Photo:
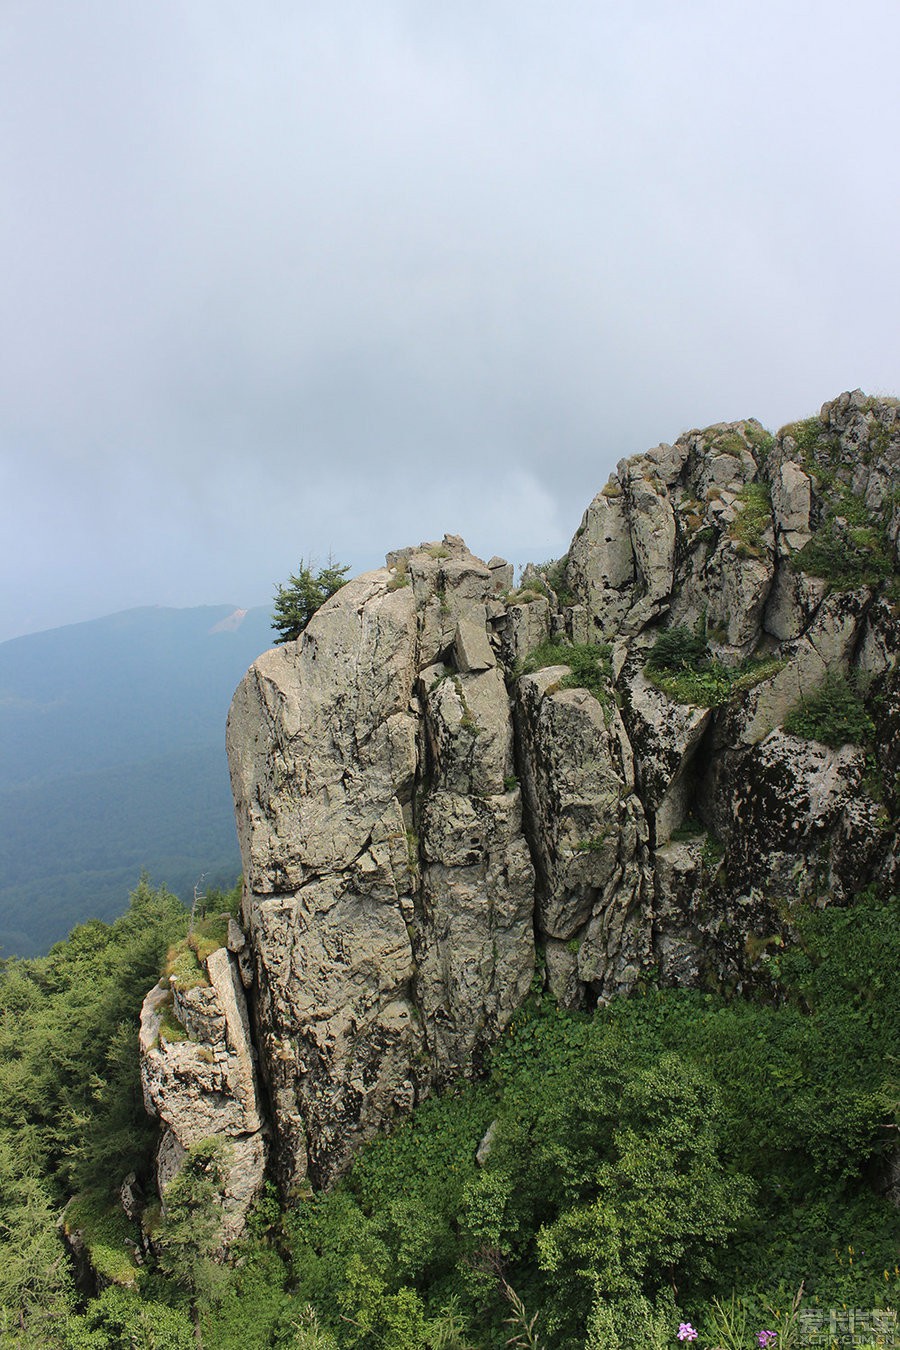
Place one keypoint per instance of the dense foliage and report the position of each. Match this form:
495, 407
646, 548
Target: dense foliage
672, 1148
850, 546
71, 1109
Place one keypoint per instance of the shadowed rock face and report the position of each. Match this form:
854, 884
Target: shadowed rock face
415, 813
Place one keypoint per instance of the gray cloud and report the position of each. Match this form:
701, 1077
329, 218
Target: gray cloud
343, 277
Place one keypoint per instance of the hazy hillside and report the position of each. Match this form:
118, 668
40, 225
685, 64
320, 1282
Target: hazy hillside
112, 760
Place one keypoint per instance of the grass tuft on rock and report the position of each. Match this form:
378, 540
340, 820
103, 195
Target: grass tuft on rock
749, 527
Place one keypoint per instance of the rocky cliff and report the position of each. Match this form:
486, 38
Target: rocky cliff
634, 766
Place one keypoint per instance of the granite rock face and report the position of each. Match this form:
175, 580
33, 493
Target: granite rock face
389, 887
447, 791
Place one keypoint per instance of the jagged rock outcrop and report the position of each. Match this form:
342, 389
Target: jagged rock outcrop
389, 885
436, 804
205, 1086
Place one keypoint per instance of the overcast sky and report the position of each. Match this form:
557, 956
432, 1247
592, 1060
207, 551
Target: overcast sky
288, 278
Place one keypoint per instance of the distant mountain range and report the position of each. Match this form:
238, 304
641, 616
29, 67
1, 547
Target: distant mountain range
112, 760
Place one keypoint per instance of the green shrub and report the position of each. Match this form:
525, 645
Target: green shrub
690, 828
759, 438
706, 535
595, 843
554, 572
678, 649
834, 714
805, 434
847, 558
526, 595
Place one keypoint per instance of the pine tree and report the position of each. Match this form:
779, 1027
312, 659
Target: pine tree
297, 602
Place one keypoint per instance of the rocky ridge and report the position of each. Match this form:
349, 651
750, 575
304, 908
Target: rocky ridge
447, 788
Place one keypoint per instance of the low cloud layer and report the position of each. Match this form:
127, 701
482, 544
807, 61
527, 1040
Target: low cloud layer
300, 279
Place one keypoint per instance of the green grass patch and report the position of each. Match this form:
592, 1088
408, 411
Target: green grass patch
847, 558
525, 595
170, 1029
208, 934
729, 443
754, 518
401, 576
761, 440
805, 434
595, 844
108, 1236
184, 960
682, 666
589, 666
183, 967
690, 828
833, 714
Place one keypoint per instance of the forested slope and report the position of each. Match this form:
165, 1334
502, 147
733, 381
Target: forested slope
677, 1147
112, 760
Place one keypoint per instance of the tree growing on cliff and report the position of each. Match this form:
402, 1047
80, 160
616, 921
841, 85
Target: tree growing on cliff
297, 601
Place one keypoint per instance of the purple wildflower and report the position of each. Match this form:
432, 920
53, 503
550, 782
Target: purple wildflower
766, 1338
686, 1332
